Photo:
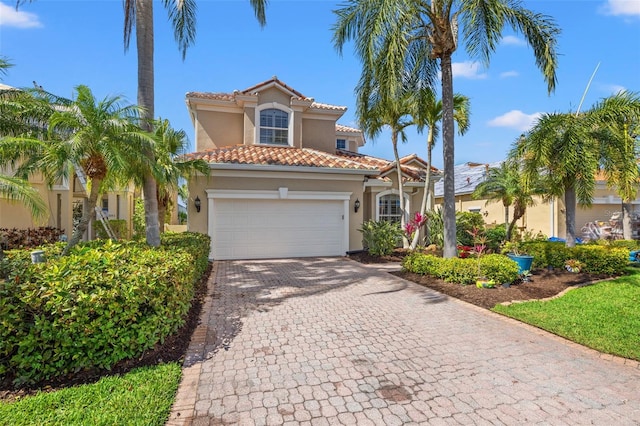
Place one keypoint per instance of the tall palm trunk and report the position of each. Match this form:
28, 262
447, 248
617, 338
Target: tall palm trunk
627, 232
449, 205
144, 40
403, 222
570, 211
89, 214
518, 212
426, 195
163, 205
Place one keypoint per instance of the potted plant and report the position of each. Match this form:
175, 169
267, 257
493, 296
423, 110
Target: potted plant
513, 250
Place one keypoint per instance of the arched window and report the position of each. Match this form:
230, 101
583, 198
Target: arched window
274, 127
388, 203
389, 208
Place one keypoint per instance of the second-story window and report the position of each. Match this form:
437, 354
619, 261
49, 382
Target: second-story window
274, 127
341, 144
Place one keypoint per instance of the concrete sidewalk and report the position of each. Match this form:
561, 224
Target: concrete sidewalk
325, 341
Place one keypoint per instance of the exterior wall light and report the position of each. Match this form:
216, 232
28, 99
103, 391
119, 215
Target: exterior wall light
356, 205
197, 203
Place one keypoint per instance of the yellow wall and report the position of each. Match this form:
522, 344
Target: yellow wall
319, 134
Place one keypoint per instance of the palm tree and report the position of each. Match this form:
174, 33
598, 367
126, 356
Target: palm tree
506, 184
12, 108
562, 149
377, 110
183, 19
139, 13
169, 168
428, 113
569, 149
392, 29
618, 123
101, 137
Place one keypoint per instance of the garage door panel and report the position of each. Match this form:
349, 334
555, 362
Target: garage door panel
250, 229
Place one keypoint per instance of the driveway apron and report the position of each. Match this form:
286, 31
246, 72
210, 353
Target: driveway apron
323, 341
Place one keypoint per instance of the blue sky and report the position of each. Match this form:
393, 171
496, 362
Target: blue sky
61, 44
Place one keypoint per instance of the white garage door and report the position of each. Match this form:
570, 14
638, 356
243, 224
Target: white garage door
259, 229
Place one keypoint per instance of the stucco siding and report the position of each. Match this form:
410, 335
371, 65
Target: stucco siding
319, 134
218, 129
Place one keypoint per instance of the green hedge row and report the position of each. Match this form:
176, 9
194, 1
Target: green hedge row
609, 259
494, 267
105, 302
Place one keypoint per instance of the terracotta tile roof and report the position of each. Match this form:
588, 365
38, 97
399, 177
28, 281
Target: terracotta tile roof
278, 156
248, 91
347, 129
276, 80
412, 173
215, 96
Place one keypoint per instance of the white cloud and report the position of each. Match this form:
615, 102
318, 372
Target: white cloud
622, 7
612, 89
508, 74
10, 17
513, 41
515, 119
467, 69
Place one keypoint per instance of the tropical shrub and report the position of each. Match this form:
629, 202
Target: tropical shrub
105, 302
499, 268
466, 222
381, 237
601, 260
496, 236
494, 267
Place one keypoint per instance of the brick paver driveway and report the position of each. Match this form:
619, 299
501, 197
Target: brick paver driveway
330, 341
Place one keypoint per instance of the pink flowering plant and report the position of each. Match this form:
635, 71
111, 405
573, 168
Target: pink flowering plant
414, 225
479, 248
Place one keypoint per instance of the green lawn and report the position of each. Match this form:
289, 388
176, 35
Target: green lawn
603, 316
140, 397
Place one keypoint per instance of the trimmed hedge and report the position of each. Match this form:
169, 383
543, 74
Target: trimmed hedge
495, 267
609, 259
105, 302
28, 238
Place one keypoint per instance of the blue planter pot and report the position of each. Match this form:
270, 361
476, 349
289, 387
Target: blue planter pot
524, 261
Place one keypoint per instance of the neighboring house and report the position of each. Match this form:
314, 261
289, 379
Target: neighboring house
286, 179
545, 217
65, 205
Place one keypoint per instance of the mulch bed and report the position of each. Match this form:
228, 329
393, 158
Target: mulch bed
173, 349
542, 284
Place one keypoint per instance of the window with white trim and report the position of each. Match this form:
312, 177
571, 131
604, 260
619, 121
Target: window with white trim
389, 208
274, 127
341, 144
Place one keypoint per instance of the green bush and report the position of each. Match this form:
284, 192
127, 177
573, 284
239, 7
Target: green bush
607, 259
423, 264
466, 222
119, 227
435, 223
495, 267
105, 302
381, 237
601, 260
495, 237
499, 268
139, 227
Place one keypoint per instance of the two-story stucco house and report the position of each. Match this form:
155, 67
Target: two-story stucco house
286, 178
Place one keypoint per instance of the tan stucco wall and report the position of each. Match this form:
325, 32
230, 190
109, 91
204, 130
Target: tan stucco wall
319, 134
198, 187
537, 218
217, 129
